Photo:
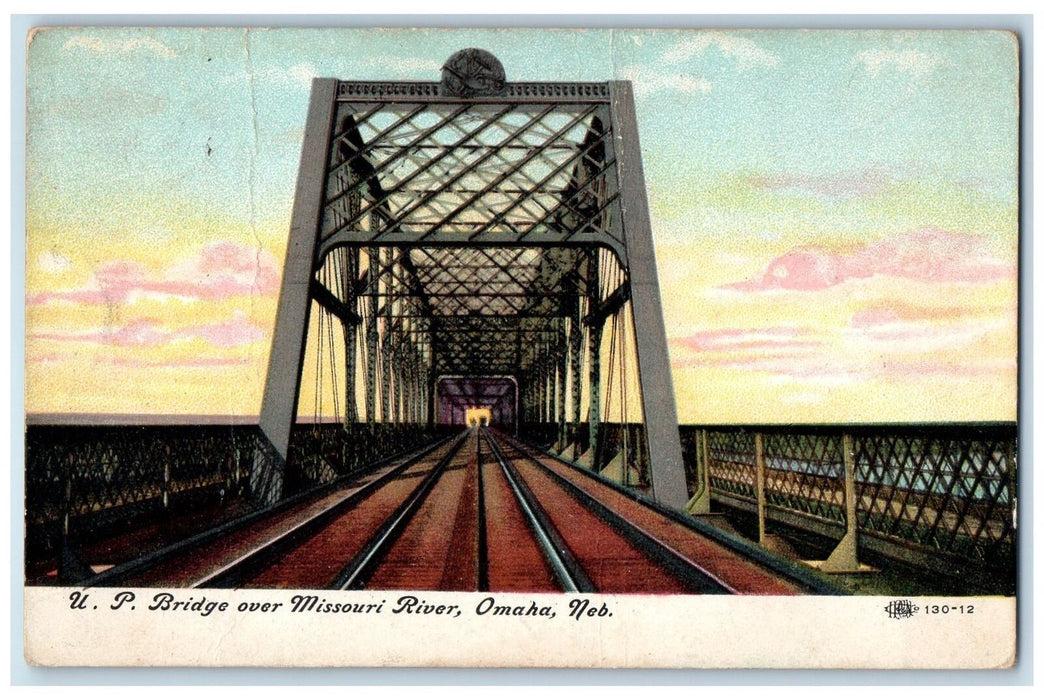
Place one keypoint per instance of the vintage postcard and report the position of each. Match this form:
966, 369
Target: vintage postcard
521, 348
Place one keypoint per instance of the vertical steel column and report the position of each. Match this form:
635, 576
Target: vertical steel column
429, 377
527, 396
430, 396
563, 362
533, 392
415, 387
409, 394
415, 390
373, 284
386, 336
538, 389
576, 339
544, 401
395, 345
422, 390
550, 368
401, 360
552, 387
699, 504
351, 404
283, 381
658, 407
395, 383
422, 398
594, 349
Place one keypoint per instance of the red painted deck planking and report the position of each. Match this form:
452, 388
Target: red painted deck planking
318, 560
515, 562
438, 548
186, 569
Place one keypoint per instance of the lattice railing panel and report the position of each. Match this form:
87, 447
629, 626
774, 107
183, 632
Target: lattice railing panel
805, 473
731, 459
947, 493
321, 453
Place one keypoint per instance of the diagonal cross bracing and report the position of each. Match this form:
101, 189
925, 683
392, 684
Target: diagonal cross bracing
492, 168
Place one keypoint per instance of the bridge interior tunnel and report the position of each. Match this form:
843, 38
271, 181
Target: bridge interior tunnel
541, 337
462, 400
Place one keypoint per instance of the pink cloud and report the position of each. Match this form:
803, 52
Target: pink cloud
775, 338
197, 362
806, 359
227, 269
968, 368
792, 351
118, 361
925, 337
927, 255
220, 270
145, 332
863, 183
226, 334
890, 312
886, 340
141, 332
47, 358
898, 328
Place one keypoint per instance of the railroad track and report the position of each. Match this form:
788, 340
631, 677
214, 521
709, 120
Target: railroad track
480, 512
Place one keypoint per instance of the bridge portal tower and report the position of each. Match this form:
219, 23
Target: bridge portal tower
477, 228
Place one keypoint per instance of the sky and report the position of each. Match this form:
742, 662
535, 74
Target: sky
835, 213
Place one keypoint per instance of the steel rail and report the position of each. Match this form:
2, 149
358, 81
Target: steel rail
483, 543
564, 565
677, 564
357, 571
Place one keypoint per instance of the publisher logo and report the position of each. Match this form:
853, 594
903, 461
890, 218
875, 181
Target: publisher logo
901, 609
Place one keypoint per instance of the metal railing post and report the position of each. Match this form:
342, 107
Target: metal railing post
759, 483
166, 479
66, 499
845, 557
699, 504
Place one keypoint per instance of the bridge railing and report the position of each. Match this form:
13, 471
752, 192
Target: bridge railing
940, 495
93, 480
614, 440
84, 483
322, 452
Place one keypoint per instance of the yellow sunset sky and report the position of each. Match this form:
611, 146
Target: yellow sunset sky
835, 213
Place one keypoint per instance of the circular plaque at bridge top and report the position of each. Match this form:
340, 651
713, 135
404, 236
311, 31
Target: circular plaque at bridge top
472, 73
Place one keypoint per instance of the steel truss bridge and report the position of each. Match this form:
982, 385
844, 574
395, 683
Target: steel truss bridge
480, 247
